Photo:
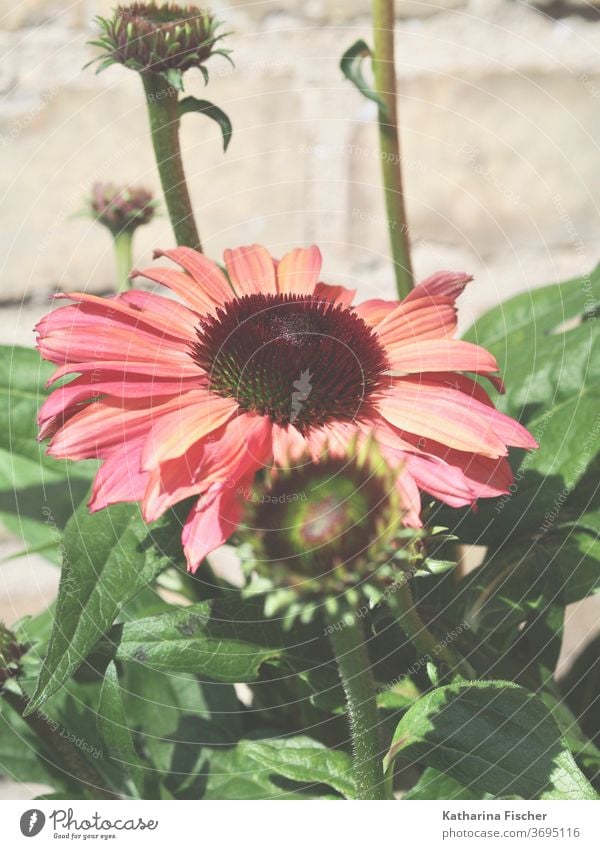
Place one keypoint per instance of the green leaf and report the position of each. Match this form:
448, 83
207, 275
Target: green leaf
550, 362
115, 732
351, 65
233, 774
304, 760
205, 107
491, 736
108, 558
223, 639
435, 785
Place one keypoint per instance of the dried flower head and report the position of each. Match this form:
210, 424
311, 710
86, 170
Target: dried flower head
167, 39
121, 208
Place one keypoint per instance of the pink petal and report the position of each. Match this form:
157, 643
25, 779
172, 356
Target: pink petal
444, 415
449, 284
184, 286
288, 445
375, 310
440, 355
213, 519
298, 271
251, 270
238, 448
177, 318
102, 426
419, 319
120, 477
335, 294
206, 273
66, 400
200, 413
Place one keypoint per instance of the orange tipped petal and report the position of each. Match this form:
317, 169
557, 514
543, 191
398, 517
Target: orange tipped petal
251, 270
417, 320
449, 284
298, 271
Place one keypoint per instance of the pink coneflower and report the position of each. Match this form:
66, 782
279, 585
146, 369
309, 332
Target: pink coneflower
265, 369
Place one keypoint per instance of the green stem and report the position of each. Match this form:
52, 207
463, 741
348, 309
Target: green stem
162, 100
123, 253
70, 760
385, 85
426, 644
354, 669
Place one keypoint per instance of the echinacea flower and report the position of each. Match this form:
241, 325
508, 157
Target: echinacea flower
121, 209
262, 367
160, 39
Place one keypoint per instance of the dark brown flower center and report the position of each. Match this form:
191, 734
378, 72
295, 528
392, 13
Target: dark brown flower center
296, 358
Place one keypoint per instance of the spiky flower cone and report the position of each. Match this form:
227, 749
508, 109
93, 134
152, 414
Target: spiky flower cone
165, 40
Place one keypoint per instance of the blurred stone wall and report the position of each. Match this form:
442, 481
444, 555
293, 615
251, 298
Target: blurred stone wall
500, 112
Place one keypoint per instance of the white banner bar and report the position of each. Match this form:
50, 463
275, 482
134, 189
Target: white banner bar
300, 825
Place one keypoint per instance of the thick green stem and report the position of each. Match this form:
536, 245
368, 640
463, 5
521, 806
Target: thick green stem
69, 759
163, 110
426, 644
123, 255
353, 665
385, 85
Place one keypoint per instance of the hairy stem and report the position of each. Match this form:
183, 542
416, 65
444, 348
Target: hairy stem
359, 687
162, 100
385, 85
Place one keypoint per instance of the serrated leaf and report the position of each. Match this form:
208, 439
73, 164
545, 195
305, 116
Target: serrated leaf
205, 107
491, 736
224, 639
115, 732
108, 558
304, 760
351, 64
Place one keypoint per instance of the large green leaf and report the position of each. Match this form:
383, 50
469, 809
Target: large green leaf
550, 361
108, 558
304, 760
37, 493
115, 732
223, 639
491, 736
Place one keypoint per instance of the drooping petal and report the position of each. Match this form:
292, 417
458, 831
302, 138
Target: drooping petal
67, 400
104, 425
120, 477
210, 523
200, 413
441, 414
239, 447
106, 331
176, 317
251, 270
298, 271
